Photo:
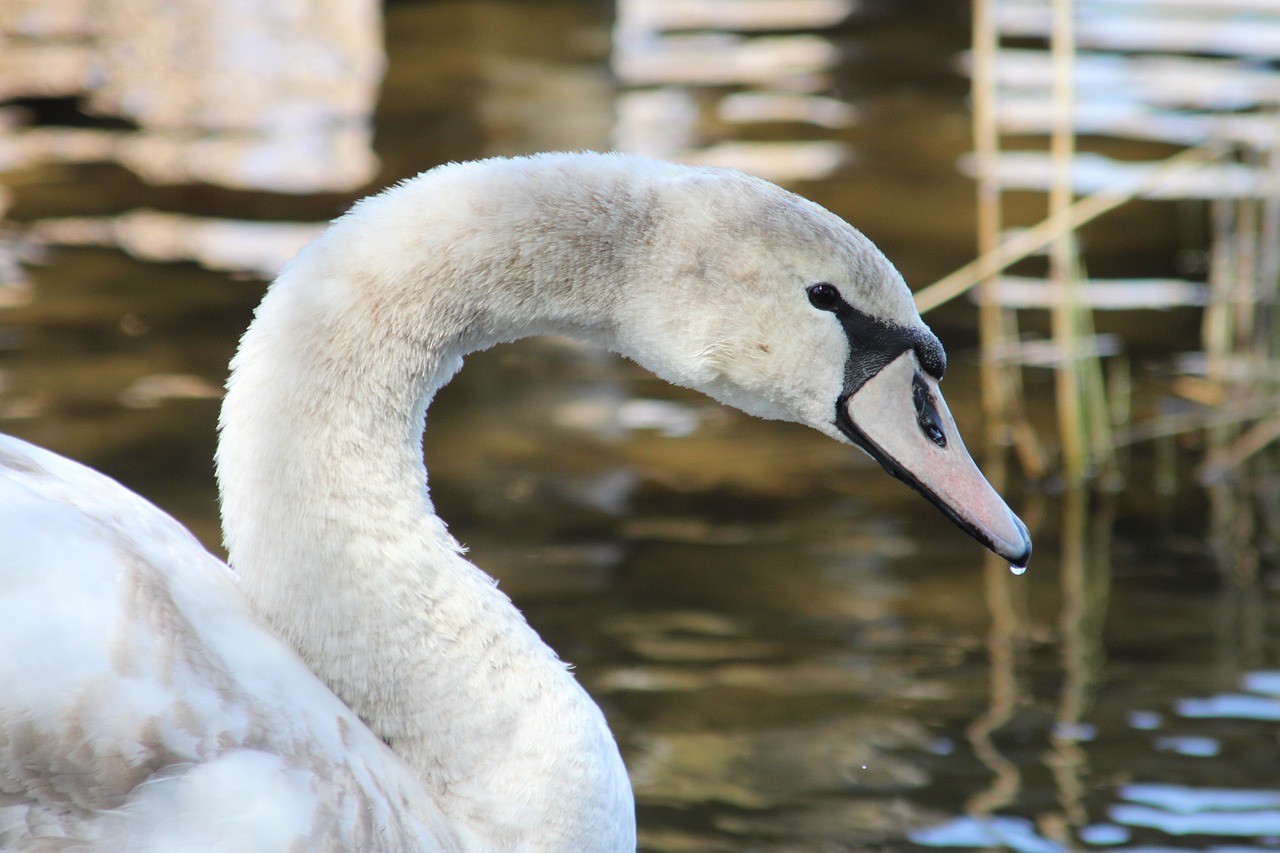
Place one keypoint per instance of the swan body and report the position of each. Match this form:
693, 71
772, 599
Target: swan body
144, 708
351, 681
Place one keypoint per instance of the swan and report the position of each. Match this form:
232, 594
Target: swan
350, 681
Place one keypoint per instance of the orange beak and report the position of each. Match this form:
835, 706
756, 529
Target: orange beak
898, 416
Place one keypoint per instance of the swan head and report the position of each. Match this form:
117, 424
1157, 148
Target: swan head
772, 304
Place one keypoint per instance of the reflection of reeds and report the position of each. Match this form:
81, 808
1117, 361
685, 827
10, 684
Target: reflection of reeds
1233, 165
1239, 328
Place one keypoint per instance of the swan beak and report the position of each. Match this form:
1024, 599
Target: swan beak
898, 416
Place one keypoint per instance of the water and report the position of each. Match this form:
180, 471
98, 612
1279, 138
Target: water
796, 652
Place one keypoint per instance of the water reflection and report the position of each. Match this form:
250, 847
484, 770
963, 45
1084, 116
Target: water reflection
698, 76
264, 97
1178, 810
260, 96
259, 248
1104, 776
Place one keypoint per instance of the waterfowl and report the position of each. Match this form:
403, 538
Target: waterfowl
350, 681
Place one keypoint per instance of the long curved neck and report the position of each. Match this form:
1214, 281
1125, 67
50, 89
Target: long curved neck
325, 506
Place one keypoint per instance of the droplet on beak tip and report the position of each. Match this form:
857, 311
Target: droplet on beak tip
1018, 570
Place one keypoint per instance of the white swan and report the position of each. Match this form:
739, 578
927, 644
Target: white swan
145, 704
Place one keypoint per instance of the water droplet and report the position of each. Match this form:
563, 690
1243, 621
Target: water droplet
1018, 570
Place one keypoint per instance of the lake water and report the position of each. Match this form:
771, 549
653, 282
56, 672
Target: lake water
795, 652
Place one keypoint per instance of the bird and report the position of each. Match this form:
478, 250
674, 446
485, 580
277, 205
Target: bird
348, 680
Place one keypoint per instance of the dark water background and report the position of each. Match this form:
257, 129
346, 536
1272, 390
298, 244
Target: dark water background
795, 652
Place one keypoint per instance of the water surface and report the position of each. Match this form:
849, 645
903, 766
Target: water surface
796, 653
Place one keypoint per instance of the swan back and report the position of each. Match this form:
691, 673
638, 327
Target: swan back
148, 710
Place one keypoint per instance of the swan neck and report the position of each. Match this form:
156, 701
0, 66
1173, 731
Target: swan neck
327, 516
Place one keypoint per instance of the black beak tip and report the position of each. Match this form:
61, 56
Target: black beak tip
1020, 560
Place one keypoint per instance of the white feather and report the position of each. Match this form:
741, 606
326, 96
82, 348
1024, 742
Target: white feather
143, 703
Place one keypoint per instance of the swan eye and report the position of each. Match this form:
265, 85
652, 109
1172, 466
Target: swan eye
824, 297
